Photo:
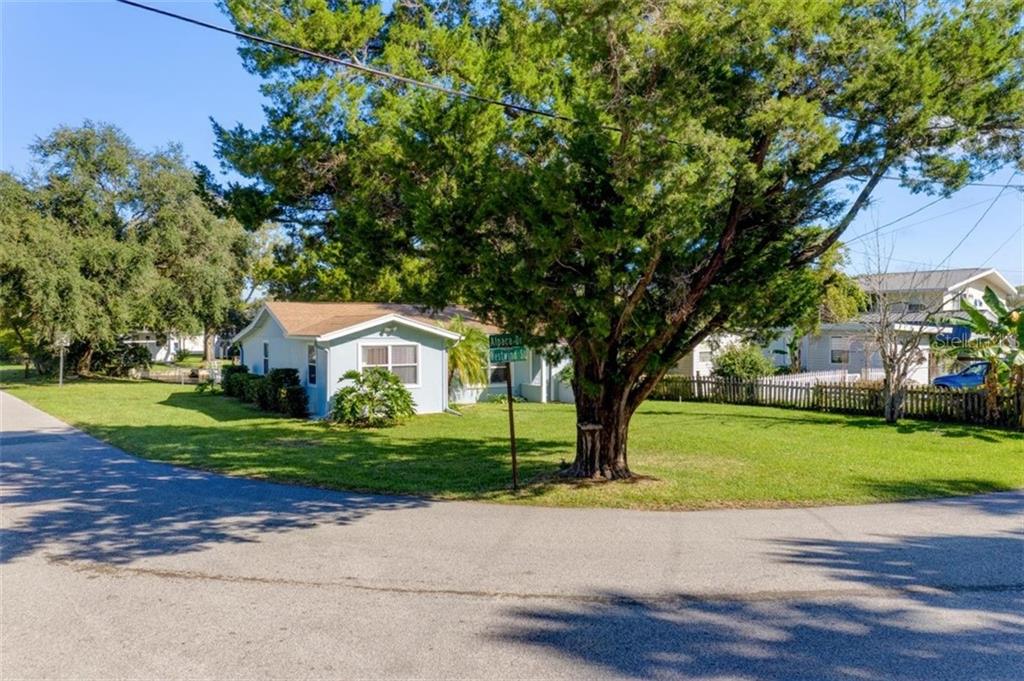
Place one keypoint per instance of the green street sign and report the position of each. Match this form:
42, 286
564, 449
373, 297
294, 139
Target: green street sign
502, 355
505, 340
506, 347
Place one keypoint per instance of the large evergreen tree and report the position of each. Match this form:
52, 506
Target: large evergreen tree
706, 155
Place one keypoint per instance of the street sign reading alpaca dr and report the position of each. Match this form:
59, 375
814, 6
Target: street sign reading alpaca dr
506, 347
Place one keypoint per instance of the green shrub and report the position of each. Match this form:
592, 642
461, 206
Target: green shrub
742, 363
232, 378
112, 359
376, 398
265, 394
277, 381
182, 355
252, 387
295, 402
502, 398
123, 358
208, 387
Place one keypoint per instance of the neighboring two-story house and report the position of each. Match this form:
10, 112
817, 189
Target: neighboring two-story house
916, 302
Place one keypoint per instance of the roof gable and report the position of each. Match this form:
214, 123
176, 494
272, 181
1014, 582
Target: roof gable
932, 280
330, 320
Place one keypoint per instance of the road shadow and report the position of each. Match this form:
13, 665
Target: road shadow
969, 493
67, 494
950, 610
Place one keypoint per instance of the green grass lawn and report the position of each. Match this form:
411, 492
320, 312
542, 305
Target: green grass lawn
691, 455
196, 362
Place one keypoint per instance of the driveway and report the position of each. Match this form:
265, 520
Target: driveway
114, 567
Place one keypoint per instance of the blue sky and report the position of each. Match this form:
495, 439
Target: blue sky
162, 81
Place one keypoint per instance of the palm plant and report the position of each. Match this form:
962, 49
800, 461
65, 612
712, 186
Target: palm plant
1000, 341
467, 357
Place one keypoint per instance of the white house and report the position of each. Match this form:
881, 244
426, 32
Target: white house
917, 300
166, 348
701, 360
326, 340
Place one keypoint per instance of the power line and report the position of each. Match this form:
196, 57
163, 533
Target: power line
914, 224
899, 219
1001, 246
355, 66
978, 222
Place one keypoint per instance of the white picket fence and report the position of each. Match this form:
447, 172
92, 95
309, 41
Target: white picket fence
809, 378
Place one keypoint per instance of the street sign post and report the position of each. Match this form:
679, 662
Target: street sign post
62, 340
508, 348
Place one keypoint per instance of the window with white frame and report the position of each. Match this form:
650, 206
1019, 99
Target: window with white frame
497, 374
840, 349
705, 356
311, 365
401, 360
266, 358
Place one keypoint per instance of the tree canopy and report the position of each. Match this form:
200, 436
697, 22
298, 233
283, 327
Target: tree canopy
103, 240
701, 158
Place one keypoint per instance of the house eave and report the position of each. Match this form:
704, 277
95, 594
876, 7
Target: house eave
348, 330
388, 319
1008, 288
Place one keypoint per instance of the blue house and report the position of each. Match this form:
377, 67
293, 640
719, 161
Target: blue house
326, 340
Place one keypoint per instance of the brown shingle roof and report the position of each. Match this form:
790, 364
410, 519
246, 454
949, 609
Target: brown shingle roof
317, 319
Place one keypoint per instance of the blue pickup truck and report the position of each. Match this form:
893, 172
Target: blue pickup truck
971, 376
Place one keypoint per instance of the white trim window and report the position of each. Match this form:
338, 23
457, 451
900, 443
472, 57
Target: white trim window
266, 358
311, 364
403, 360
497, 373
839, 350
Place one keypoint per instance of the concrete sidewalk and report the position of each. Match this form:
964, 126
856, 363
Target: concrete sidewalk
117, 567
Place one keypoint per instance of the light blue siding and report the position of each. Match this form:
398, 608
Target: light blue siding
337, 356
431, 391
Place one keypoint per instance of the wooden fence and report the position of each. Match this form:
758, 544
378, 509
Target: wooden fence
924, 402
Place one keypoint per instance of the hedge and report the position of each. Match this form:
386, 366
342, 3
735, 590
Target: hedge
295, 402
278, 391
232, 379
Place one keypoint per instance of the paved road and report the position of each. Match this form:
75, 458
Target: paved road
113, 567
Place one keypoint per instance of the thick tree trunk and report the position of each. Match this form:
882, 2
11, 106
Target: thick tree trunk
85, 360
893, 403
602, 428
208, 336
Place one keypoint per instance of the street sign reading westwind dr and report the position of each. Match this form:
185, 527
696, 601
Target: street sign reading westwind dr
506, 348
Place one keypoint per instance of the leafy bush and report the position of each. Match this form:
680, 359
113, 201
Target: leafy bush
265, 394
252, 387
208, 387
743, 363
232, 378
295, 402
567, 374
376, 398
181, 355
277, 381
502, 398
120, 359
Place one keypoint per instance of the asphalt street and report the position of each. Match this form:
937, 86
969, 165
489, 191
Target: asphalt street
112, 567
